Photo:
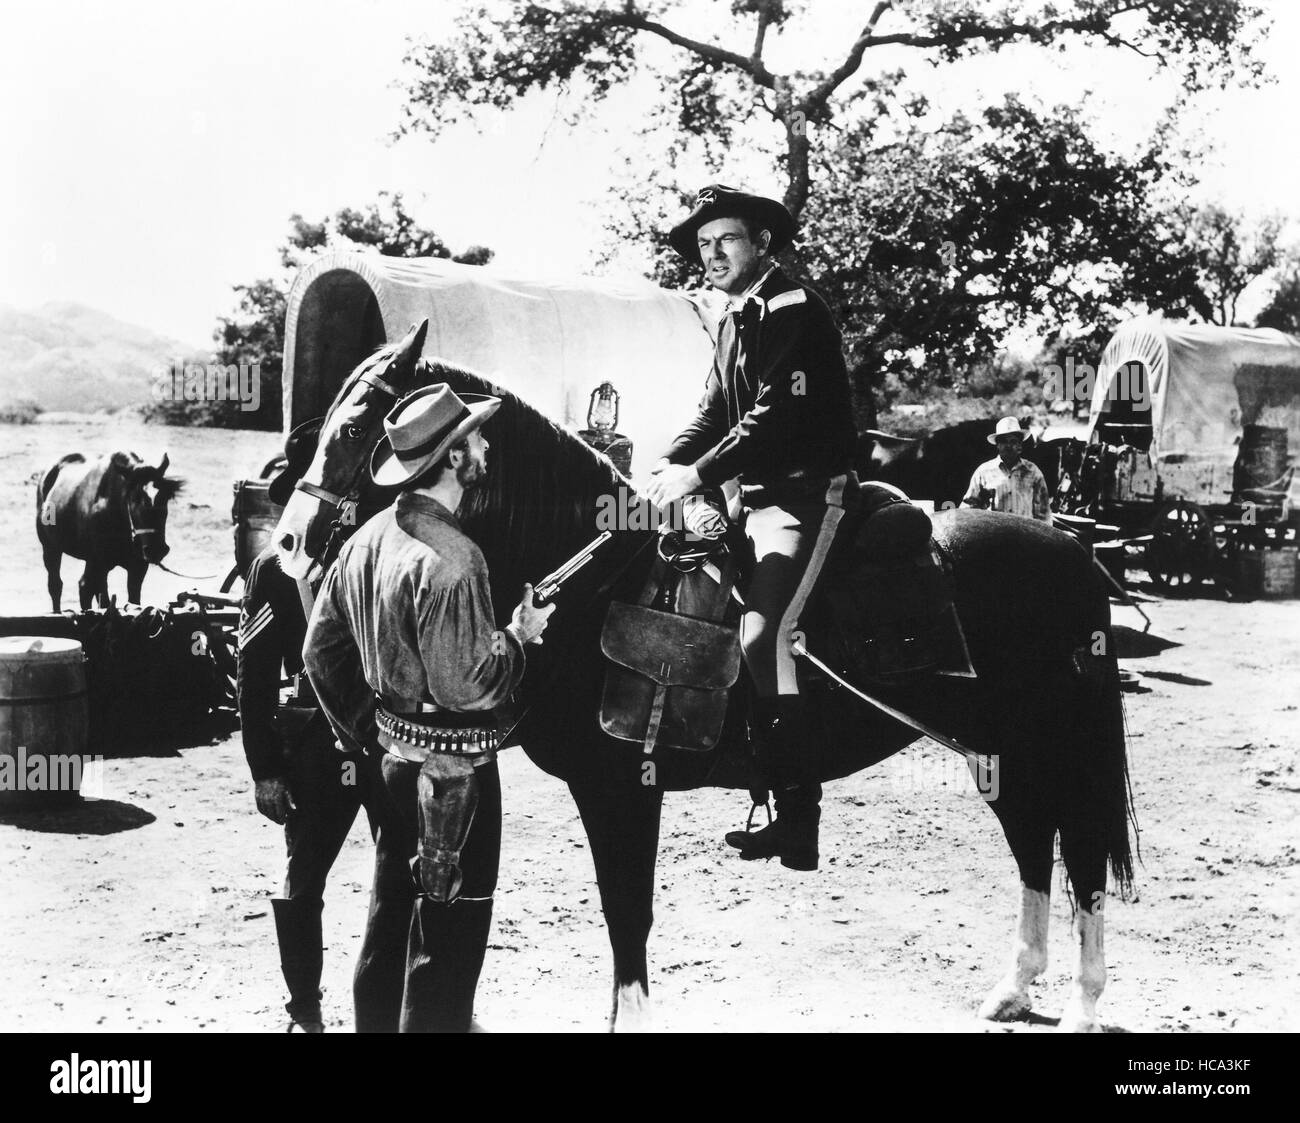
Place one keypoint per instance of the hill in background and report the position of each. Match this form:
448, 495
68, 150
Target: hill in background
65, 356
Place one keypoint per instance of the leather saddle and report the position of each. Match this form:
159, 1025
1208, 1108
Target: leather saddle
882, 612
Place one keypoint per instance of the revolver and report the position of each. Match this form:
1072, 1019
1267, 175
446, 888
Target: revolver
546, 589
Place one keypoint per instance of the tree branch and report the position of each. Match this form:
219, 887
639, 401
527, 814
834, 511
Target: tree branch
822, 92
1096, 24
636, 20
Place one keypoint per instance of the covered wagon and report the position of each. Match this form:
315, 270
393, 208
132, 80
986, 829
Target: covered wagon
1193, 431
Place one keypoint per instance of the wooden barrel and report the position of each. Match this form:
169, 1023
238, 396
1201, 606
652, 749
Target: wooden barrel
1261, 458
43, 719
255, 518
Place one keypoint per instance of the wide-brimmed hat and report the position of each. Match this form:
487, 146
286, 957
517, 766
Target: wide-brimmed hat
422, 427
299, 451
1007, 427
720, 201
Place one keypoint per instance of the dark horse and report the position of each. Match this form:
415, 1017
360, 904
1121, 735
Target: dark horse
109, 512
1046, 703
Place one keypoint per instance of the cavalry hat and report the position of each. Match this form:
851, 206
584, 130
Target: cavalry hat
1007, 427
422, 427
299, 451
720, 201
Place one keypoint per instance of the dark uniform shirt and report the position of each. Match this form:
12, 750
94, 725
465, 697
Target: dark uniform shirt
272, 625
406, 614
776, 405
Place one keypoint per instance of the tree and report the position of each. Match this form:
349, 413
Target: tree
1231, 254
930, 240
502, 53
932, 248
254, 334
1283, 309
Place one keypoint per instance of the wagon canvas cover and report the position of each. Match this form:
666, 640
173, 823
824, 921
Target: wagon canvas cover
1203, 385
550, 341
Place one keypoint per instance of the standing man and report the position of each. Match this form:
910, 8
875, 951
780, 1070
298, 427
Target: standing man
1008, 483
404, 655
776, 415
300, 779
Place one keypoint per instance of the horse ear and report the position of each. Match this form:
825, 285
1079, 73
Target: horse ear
421, 334
124, 462
162, 464
412, 344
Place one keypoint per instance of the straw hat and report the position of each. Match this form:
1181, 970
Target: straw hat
1007, 427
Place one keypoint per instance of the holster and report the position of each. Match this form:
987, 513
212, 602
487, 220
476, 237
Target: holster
447, 795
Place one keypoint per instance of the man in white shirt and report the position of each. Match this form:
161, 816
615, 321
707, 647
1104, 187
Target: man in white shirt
1008, 483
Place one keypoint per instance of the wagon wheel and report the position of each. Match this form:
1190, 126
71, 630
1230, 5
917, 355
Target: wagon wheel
1180, 554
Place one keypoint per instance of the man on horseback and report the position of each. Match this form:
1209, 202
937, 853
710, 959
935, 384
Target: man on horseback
776, 416
404, 655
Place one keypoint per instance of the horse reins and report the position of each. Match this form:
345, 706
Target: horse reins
137, 533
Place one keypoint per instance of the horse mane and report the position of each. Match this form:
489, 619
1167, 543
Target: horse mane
544, 487
128, 467
169, 487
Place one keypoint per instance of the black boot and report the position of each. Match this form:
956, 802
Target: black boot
792, 837
298, 930
448, 944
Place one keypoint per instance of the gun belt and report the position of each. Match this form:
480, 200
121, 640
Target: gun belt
426, 739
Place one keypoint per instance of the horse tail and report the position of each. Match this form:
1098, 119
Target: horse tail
1118, 819
1101, 822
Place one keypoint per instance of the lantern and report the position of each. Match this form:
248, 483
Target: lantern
602, 413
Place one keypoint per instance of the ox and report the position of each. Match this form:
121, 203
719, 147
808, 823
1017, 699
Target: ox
108, 512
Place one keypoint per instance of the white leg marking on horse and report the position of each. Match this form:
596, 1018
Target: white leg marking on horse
632, 1011
1080, 1014
1009, 1000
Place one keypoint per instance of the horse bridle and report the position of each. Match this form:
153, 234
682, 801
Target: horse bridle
339, 502
136, 532
333, 499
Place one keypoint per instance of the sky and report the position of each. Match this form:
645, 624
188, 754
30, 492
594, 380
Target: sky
153, 151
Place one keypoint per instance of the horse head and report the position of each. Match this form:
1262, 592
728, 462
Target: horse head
350, 431
541, 501
144, 493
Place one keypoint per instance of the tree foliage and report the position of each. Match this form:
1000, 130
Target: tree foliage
502, 52
1231, 253
1283, 309
931, 239
254, 334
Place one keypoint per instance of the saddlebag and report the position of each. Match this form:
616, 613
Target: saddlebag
668, 675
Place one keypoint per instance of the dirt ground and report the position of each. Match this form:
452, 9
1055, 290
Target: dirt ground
149, 910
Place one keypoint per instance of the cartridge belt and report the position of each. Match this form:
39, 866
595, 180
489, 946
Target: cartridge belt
415, 740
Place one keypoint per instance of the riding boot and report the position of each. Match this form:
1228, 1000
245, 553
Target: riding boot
792, 836
298, 930
445, 955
